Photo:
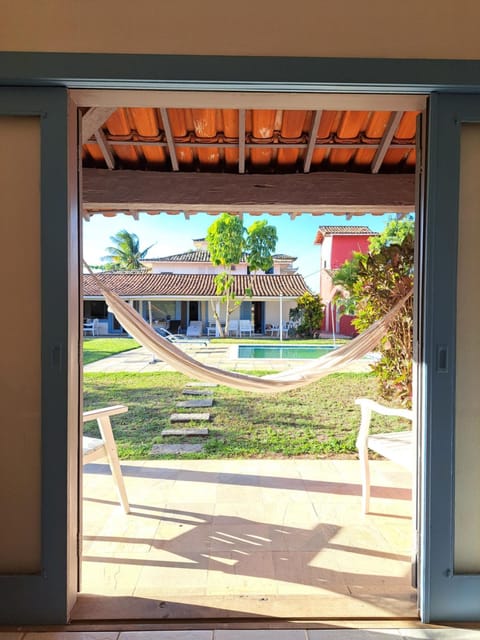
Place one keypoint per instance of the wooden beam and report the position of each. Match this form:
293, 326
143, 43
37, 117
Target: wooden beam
253, 145
105, 149
382, 149
93, 120
170, 139
156, 191
248, 100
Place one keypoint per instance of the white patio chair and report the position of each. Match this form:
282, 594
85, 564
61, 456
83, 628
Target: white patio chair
245, 328
272, 329
396, 446
233, 328
211, 329
105, 447
194, 329
90, 326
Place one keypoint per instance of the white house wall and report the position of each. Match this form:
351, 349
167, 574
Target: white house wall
192, 267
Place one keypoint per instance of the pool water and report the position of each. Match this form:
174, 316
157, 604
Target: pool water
291, 351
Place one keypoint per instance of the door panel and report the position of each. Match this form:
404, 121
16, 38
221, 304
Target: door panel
449, 342
39, 385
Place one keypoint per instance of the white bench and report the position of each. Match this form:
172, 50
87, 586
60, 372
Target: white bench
105, 447
396, 446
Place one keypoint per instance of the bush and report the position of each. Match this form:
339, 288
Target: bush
384, 278
309, 311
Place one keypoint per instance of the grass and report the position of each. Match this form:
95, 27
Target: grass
98, 348
319, 420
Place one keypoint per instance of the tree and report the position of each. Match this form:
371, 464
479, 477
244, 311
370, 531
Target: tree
228, 241
126, 254
309, 311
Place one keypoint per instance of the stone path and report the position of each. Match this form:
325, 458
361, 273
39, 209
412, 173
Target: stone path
197, 392
159, 449
194, 404
185, 432
192, 389
190, 417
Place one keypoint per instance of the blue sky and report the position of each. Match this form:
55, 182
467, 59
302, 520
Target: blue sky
173, 234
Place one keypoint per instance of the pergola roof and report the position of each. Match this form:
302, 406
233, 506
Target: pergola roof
166, 156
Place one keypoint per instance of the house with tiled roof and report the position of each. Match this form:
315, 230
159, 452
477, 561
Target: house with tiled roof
337, 244
180, 288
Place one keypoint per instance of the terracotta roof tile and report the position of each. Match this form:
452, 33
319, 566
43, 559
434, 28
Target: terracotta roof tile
139, 284
201, 255
187, 256
211, 139
342, 230
347, 230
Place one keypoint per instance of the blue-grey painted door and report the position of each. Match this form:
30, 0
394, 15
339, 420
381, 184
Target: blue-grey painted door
46, 593
447, 591
246, 310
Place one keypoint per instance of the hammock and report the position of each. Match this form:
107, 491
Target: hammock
295, 378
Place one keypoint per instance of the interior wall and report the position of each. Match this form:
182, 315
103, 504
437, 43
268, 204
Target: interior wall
346, 28
20, 327
467, 400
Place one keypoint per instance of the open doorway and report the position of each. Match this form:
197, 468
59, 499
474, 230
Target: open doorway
303, 543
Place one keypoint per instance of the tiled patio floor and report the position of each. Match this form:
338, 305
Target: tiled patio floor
246, 538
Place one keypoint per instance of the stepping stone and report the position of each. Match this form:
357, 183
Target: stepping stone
195, 404
176, 448
188, 417
202, 384
184, 432
197, 392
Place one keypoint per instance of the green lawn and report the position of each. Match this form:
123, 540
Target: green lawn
318, 420
99, 348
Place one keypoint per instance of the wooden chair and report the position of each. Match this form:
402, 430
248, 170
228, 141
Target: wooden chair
105, 447
397, 446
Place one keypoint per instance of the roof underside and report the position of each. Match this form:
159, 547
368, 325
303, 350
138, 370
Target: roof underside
168, 142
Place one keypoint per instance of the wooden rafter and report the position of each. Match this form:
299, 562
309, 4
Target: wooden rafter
93, 120
382, 149
311, 141
170, 139
105, 148
241, 141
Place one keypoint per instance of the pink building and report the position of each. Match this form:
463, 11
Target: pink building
337, 244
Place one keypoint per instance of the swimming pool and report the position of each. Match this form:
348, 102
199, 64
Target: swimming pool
290, 351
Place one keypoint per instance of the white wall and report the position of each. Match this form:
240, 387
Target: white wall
272, 310
191, 267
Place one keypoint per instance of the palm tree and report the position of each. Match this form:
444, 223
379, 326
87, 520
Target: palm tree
126, 253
